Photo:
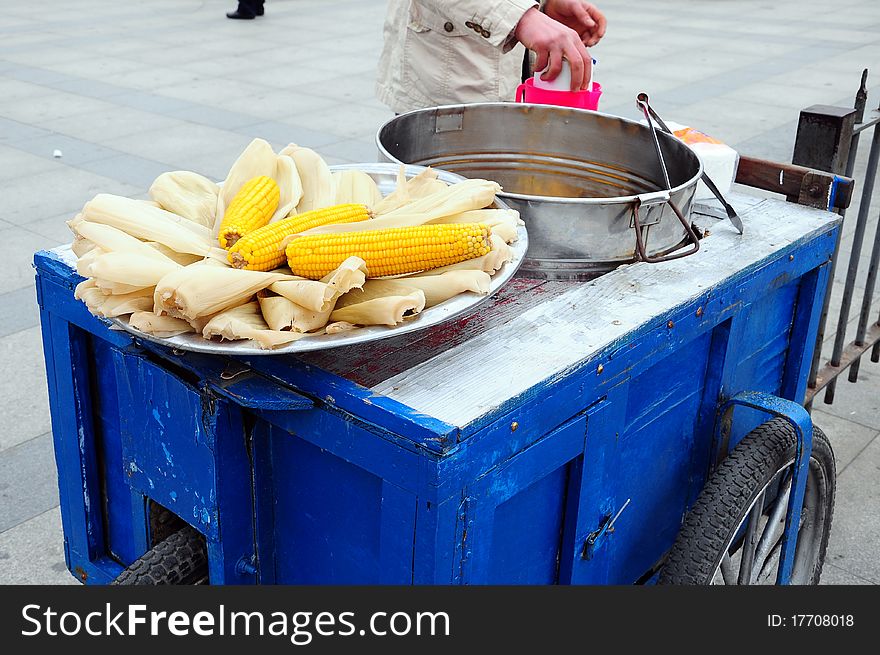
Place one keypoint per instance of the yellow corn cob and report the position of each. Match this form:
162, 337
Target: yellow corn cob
393, 251
263, 249
250, 209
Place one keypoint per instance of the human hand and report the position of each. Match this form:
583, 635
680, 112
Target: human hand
552, 42
583, 17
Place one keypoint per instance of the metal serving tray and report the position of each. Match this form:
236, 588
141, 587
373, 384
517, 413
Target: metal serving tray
385, 176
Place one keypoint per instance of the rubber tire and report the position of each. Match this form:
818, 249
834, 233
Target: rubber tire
730, 492
180, 559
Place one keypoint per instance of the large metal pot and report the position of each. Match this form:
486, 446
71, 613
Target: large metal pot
588, 185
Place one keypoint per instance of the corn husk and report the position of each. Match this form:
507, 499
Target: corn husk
385, 303
504, 222
439, 288
283, 314
246, 322
339, 326
351, 274
310, 294
128, 303
407, 190
202, 289
461, 197
184, 259
81, 245
500, 254
131, 268
148, 223
353, 186
256, 160
80, 288
111, 239
93, 298
318, 187
159, 326
290, 186
187, 194
84, 263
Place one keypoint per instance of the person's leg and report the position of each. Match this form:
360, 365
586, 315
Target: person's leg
246, 11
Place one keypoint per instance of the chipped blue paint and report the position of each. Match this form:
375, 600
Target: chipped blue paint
168, 457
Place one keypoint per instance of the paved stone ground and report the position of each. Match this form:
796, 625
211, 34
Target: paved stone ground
127, 90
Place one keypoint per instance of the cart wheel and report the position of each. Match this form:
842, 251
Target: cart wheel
709, 548
180, 559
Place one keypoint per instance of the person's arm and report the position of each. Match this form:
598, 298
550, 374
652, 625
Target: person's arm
493, 21
552, 42
583, 17
504, 22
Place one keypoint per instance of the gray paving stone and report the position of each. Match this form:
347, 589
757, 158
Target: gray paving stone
147, 79
351, 151
91, 88
176, 145
833, 575
136, 172
856, 529
848, 439
54, 229
58, 105
36, 75
36, 550
26, 399
12, 132
18, 271
279, 134
74, 151
28, 482
98, 127
346, 121
18, 311
150, 102
15, 89
39, 196
222, 119
16, 163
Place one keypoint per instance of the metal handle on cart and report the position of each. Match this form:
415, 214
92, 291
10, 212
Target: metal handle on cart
660, 197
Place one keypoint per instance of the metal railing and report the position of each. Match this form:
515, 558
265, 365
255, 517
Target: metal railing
828, 139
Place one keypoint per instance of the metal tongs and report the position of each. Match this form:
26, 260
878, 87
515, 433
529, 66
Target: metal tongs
651, 116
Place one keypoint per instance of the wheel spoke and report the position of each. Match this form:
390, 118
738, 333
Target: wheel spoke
727, 570
773, 529
750, 541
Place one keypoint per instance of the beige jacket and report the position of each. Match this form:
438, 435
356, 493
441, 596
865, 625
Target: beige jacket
440, 52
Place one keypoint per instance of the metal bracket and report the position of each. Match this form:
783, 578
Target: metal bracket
817, 189
606, 527
799, 418
246, 565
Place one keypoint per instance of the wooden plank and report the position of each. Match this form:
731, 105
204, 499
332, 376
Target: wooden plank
471, 379
789, 180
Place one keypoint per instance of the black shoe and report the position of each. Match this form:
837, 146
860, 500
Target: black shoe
238, 14
260, 11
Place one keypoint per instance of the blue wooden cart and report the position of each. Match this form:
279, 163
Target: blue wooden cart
559, 434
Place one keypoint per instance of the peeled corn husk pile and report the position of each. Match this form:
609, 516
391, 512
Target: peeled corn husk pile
158, 264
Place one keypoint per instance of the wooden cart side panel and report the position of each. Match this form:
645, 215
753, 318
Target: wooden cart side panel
807, 314
515, 513
186, 449
649, 461
333, 522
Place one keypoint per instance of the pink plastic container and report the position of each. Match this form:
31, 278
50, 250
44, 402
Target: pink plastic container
528, 92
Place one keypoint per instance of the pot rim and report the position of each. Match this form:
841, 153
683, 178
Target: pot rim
611, 200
